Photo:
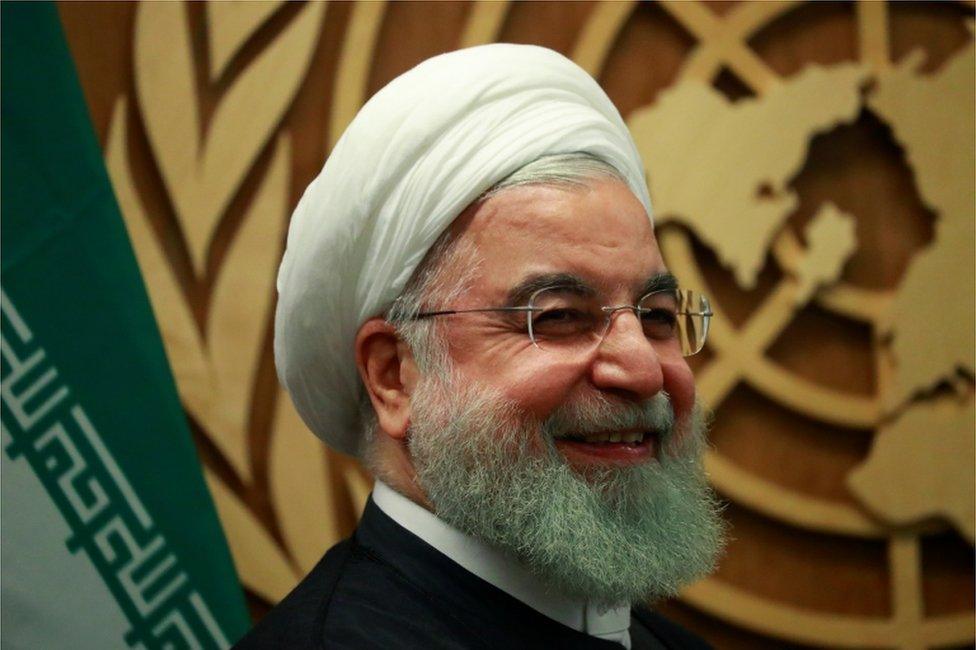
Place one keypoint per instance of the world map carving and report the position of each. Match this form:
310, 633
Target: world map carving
719, 169
930, 444
716, 166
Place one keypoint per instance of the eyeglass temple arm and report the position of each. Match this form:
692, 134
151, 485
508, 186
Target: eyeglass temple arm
448, 312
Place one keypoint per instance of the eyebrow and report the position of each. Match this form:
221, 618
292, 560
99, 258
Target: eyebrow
660, 282
520, 293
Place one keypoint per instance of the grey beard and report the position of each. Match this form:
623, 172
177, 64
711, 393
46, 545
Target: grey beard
617, 535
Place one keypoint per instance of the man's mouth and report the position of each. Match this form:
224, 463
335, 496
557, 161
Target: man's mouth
613, 447
604, 436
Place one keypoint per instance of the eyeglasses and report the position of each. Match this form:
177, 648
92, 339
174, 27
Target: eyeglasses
675, 321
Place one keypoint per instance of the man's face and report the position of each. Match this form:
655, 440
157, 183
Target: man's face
609, 522
601, 236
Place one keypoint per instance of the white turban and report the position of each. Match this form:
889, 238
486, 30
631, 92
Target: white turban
417, 154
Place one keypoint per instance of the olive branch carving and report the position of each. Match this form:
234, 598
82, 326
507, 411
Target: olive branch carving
202, 168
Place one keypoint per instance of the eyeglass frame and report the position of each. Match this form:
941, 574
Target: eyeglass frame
608, 310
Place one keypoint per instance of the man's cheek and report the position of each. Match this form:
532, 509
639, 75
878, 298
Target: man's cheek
540, 388
519, 434
679, 382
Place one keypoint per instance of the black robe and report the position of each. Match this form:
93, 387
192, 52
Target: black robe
386, 588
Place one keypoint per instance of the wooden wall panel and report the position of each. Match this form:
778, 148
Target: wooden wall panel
846, 456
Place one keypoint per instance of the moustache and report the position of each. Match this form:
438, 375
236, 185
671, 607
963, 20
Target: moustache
597, 413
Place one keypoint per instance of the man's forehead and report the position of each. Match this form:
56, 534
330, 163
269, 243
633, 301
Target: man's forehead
546, 205
597, 237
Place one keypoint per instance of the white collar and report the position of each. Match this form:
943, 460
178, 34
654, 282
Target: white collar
489, 564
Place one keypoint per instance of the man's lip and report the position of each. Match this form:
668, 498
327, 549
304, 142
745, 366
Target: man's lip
577, 437
613, 453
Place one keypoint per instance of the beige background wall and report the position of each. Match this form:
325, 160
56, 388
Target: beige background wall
811, 166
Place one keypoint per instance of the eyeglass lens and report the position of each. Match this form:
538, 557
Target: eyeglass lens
676, 322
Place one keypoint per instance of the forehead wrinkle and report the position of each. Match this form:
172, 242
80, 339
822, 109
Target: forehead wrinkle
525, 211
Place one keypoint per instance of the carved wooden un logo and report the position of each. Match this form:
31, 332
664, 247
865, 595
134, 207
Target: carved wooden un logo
737, 178
741, 207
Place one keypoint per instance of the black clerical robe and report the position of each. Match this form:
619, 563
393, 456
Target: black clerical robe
386, 588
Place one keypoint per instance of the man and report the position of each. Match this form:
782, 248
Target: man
472, 300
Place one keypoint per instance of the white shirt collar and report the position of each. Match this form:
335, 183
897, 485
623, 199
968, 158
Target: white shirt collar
489, 564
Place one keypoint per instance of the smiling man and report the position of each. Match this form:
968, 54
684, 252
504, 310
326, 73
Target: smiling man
473, 302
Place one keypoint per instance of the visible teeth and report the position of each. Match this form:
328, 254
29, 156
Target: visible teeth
631, 437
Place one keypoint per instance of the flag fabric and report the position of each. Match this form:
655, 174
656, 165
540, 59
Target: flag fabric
109, 536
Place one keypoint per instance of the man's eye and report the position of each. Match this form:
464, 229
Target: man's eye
559, 315
659, 323
561, 322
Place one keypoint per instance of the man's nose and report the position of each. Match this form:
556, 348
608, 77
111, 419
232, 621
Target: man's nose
626, 361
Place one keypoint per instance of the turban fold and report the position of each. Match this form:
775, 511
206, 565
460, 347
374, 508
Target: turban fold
418, 153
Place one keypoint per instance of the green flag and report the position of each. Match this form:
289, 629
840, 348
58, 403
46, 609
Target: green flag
109, 537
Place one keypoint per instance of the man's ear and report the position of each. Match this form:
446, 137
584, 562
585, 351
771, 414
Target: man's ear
389, 373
